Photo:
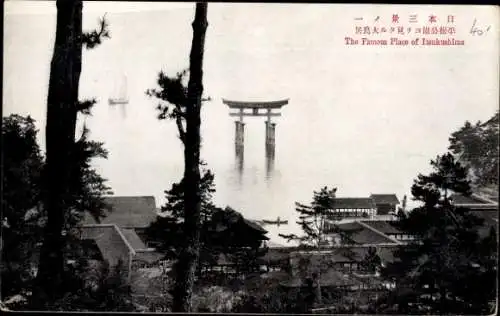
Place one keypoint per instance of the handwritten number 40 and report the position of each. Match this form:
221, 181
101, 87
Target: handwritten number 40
475, 30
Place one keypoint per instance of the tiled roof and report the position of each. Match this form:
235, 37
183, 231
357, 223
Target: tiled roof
490, 192
460, 199
111, 241
345, 227
133, 239
385, 227
474, 199
255, 226
346, 254
128, 211
356, 233
333, 255
385, 199
229, 216
353, 203
386, 254
273, 245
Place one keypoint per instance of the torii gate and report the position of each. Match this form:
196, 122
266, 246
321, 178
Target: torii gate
264, 109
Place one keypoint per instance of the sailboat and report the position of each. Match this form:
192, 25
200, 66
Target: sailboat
122, 98
276, 222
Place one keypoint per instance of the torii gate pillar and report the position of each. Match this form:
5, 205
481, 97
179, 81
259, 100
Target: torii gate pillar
270, 146
239, 143
239, 138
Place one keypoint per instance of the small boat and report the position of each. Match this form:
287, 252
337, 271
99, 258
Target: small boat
122, 98
277, 222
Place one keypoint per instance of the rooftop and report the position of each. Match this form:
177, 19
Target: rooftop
353, 203
229, 216
345, 254
461, 199
356, 233
232, 228
391, 199
127, 211
474, 199
385, 227
133, 238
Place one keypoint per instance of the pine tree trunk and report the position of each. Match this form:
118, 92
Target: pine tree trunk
192, 201
60, 138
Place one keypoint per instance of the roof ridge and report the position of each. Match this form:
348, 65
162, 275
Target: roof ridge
124, 239
483, 198
117, 230
378, 232
130, 196
353, 197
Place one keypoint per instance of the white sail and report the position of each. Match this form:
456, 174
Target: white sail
122, 97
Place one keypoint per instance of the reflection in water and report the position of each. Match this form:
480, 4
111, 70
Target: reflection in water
240, 158
269, 165
270, 148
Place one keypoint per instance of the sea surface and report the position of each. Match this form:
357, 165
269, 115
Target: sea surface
146, 158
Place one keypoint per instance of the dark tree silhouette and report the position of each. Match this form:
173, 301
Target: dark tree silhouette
102, 288
312, 221
312, 218
187, 104
476, 146
22, 204
22, 165
448, 255
167, 231
63, 107
371, 262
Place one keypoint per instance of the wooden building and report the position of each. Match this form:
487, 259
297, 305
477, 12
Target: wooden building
131, 214
388, 228
355, 233
352, 207
385, 203
343, 272
239, 240
118, 236
483, 206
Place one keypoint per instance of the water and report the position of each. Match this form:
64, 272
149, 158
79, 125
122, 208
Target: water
363, 119
146, 158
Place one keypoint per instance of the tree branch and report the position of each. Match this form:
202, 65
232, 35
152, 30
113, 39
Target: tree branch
94, 38
85, 106
180, 128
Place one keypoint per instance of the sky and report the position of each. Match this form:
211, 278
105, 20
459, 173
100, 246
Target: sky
365, 119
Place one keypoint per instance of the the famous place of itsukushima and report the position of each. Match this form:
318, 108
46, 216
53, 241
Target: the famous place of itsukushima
266, 109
